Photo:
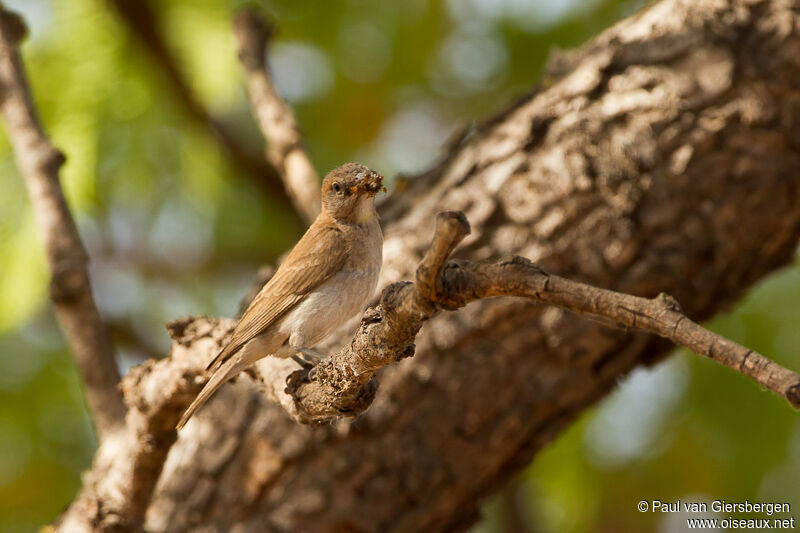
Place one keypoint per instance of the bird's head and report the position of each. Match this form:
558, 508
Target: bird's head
348, 191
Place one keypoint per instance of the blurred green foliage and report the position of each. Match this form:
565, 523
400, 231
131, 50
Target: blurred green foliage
174, 228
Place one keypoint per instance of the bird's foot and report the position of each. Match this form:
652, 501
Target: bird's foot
308, 359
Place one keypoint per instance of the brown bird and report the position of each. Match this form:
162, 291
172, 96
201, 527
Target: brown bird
326, 279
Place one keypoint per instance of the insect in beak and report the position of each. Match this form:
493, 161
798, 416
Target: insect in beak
371, 184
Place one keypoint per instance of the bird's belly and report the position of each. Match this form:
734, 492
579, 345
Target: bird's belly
329, 306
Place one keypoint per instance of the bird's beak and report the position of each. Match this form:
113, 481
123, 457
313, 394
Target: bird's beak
370, 183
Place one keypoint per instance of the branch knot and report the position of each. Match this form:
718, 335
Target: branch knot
669, 302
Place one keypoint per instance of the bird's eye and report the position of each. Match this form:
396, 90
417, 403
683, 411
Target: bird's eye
336, 187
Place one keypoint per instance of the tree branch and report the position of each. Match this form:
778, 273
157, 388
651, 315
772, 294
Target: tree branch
141, 21
70, 289
278, 125
118, 488
342, 384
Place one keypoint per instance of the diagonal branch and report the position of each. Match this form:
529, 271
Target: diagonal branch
141, 21
342, 384
70, 289
278, 125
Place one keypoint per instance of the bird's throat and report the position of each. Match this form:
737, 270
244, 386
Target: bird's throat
365, 211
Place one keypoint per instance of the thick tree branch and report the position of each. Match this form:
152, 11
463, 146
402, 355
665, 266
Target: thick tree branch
70, 289
278, 125
116, 493
139, 17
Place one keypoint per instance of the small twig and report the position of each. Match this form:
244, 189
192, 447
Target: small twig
138, 16
342, 384
70, 289
278, 125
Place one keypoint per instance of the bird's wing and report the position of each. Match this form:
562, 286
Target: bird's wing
320, 254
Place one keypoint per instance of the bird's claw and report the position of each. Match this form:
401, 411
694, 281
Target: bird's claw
308, 359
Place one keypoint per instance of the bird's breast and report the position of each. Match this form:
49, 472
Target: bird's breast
330, 305
344, 294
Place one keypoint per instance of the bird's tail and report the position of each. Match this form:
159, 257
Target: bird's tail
226, 371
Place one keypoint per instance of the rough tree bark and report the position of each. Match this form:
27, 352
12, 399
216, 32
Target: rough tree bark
662, 156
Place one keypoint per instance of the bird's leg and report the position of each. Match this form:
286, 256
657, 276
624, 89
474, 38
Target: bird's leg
312, 356
308, 358
302, 361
